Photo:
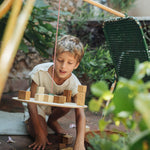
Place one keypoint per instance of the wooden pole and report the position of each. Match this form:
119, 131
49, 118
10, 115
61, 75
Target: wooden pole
10, 50
112, 11
11, 23
4, 7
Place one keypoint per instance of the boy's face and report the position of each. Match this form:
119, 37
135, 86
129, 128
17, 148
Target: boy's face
65, 63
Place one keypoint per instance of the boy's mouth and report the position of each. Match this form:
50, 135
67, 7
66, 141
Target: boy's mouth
61, 71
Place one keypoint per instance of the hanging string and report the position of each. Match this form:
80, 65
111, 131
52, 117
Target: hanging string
55, 47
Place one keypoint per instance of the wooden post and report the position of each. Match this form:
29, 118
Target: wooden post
12, 45
4, 7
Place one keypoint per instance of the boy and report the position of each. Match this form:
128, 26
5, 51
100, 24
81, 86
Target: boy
68, 56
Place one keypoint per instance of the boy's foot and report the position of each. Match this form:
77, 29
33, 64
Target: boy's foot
54, 125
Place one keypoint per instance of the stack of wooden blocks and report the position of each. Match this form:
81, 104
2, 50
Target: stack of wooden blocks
40, 96
81, 95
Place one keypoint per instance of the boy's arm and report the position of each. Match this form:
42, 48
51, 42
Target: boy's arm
33, 109
38, 133
80, 124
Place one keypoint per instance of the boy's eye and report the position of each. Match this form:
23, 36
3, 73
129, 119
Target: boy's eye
70, 63
60, 60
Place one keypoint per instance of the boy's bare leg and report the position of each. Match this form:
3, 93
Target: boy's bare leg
30, 127
52, 120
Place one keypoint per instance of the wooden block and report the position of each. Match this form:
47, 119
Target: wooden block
62, 145
40, 90
24, 95
56, 99
45, 99
80, 99
62, 99
68, 94
67, 139
39, 97
48, 98
82, 88
59, 99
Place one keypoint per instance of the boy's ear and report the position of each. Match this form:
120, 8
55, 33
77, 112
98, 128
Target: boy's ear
76, 66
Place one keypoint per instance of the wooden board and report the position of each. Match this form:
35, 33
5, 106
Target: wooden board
67, 105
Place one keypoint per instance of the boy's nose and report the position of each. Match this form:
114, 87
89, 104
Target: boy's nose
63, 65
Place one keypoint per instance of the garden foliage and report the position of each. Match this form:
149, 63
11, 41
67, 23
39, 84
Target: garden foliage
130, 106
95, 65
40, 33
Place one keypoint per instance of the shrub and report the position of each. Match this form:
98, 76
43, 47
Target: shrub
130, 105
95, 65
40, 33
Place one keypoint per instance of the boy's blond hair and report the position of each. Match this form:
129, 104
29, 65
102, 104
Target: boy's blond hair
69, 43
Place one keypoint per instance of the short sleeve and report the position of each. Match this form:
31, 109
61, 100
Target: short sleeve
35, 78
34, 74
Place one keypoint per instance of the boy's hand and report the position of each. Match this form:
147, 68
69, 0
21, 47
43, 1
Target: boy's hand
40, 142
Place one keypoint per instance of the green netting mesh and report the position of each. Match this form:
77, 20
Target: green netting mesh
126, 44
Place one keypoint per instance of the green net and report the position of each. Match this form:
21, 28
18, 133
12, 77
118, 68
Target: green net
126, 43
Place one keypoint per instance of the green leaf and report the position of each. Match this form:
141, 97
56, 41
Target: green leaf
107, 95
93, 63
142, 69
24, 47
123, 114
94, 105
102, 124
48, 26
131, 124
142, 125
142, 104
99, 88
141, 141
123, 100
114, 137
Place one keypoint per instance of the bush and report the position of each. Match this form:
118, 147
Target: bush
95, 65
39, 33
130, 106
